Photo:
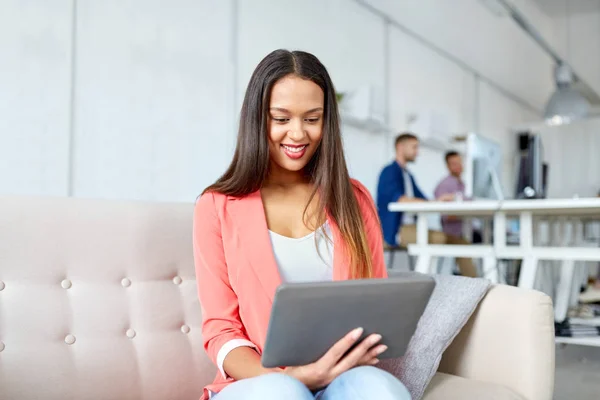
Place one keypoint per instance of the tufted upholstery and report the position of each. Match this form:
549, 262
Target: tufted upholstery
98, 301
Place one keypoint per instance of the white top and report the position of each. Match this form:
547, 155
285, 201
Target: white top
305, 259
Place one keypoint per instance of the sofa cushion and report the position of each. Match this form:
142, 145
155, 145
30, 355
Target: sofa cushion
450, 387
451, 304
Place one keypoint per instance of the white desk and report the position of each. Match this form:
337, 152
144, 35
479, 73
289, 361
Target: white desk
426, 252
564, 213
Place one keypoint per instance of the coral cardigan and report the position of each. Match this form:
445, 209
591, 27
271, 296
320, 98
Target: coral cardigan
237, 273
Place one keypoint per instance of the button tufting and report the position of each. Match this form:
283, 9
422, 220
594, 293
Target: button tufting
70, 339
130, 333
185, 329
2, 285
125, 282
66, 284
1, 347
177, 280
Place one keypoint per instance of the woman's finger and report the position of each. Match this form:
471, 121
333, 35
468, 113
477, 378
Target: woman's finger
356, 355
337, 351
374, 352
372, 355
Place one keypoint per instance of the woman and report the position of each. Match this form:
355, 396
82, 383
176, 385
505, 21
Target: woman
285, 211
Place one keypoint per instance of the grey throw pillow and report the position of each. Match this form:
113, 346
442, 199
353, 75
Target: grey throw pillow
451, 304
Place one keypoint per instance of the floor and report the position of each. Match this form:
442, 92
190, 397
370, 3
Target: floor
577, 373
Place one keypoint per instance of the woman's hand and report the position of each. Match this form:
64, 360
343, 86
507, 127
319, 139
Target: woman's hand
322, 372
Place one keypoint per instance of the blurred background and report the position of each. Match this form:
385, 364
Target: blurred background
139, 99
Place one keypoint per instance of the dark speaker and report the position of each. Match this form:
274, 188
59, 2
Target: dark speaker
523, 140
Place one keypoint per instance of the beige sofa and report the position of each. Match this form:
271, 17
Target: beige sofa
98, 301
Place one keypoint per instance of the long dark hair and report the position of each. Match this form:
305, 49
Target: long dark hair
327, 168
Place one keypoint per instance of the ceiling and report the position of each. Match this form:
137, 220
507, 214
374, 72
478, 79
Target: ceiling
557, 8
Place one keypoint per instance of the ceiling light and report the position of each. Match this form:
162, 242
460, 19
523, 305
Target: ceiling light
566, 104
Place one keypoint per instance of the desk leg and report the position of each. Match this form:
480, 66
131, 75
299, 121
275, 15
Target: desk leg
424, 264
565, 287
526, 230
422, 230
486, 234
528, 272
530, 263
490, 269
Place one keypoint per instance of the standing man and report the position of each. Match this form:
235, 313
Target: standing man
396, 184
452, 184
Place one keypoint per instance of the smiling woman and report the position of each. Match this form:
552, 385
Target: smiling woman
287, 182
290, 149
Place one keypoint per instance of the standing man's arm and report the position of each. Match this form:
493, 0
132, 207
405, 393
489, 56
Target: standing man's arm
441, 188
444, 191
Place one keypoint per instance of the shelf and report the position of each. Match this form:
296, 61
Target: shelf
435, 144
375, 126
580, 341
370, 125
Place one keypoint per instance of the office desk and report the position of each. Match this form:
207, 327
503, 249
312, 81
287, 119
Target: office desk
564, 216
426, 252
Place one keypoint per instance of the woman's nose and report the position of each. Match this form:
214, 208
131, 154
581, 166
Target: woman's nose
296, 131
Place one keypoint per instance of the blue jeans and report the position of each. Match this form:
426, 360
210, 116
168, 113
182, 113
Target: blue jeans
359, 383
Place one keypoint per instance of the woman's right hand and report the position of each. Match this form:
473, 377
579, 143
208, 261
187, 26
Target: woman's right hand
322, 372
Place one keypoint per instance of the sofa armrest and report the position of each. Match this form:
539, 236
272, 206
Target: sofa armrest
509, 340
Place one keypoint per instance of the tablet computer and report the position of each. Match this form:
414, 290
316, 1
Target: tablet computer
308, 318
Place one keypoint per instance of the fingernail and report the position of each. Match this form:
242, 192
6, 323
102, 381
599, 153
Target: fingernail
376, 338
375, 361
381, 349
356, 333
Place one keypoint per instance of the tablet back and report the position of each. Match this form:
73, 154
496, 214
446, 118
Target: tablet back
308, 318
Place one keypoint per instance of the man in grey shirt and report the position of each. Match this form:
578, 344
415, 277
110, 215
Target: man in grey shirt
452, 225
452, 184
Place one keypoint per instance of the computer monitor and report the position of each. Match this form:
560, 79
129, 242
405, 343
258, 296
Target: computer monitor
532, 172
483, 166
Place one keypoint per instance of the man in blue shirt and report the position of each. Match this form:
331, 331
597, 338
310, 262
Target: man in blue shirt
396, 184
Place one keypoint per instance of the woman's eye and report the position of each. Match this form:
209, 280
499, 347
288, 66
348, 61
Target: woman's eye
312, 120
281, 120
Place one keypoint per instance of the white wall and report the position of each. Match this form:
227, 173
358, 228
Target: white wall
35, 84
572, 152
157, 89
153, 104
492, 45
578, 40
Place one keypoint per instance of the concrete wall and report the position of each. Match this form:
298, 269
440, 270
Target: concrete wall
133, 99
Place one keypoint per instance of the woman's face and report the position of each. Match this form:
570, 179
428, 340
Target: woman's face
295, 122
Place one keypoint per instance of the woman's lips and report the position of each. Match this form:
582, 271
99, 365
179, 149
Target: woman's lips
294, 151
